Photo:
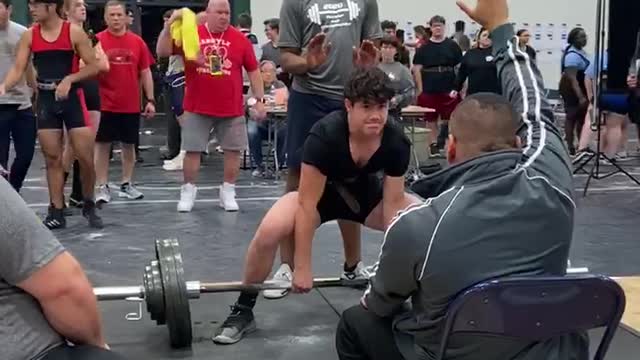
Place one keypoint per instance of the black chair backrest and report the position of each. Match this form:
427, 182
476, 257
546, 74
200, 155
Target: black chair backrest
537, 308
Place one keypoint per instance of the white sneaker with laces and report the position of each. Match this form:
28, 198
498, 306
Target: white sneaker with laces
175, 163
188, 194
103, 195
284, 273
228, 197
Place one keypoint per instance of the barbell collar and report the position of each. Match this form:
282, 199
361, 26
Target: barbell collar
118, 292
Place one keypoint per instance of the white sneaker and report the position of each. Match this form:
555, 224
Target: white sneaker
284, 273
228, 197
175, 163
188, 194
103, 195
360, 273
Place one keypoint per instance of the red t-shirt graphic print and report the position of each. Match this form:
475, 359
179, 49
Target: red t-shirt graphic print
214, 80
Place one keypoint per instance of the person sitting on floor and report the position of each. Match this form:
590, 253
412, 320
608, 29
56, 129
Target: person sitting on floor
501, 209
276, 94
353, 166
46, 299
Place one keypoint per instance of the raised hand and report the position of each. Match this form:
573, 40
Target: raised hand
488, 13
317, 51
367, 55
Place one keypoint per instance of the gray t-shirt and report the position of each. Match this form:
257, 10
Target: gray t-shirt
9, 38
271, 53
25, 247
346, 23
176, 65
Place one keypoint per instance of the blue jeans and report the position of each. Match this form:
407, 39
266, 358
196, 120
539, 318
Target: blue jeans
19, 126
258, 133
303, 111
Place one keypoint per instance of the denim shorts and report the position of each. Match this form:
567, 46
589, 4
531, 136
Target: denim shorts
304, 110
175, 84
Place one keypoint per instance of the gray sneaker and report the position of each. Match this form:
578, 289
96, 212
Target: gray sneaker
103, 194
128, 191
239, 323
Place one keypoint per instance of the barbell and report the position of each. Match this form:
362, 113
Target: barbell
167, 294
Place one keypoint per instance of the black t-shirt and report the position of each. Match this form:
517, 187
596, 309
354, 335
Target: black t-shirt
432, 54
479, 67
327, 148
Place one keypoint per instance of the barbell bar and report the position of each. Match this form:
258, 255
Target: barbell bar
167, 294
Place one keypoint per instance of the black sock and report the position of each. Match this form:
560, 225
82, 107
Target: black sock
76, 187
124, 185
66, 177
248, 299
350, 269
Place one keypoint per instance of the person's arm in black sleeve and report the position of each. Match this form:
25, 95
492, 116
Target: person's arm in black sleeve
463, 73
395, 278
522, 85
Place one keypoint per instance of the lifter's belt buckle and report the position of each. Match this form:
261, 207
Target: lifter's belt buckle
439, 69
51, 86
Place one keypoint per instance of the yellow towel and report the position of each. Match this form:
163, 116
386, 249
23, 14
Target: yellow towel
184, 33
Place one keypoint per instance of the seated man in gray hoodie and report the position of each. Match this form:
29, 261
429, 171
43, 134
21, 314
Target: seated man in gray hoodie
504, 207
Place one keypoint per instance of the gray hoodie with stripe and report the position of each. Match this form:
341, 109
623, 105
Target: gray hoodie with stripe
500, 214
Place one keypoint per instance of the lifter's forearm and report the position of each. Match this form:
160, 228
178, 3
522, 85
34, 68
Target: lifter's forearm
13, 76
164, 46
303, 234
294, 64
88, 71
74, 314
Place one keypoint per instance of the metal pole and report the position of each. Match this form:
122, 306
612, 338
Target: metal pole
274, 285
118, 292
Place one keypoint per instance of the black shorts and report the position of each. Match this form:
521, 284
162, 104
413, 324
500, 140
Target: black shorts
118, 127
91, 94
353, 202
70, 113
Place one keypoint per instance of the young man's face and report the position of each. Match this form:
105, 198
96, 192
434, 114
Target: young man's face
78, 10
39, 11
5, 14
437, 30
367, 117
271, 33
115, 17
390, 31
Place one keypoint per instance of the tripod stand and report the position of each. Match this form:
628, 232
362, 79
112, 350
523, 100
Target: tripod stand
599, 116
597, 156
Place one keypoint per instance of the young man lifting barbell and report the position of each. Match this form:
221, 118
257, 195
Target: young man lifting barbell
353, 166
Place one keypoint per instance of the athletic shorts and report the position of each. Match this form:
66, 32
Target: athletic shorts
230, 132
175, 85
67, 114
91, 94
303, 111
443, 105
615, 103
118, 127
353, 202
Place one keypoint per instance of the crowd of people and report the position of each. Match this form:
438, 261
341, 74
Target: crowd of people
345, 150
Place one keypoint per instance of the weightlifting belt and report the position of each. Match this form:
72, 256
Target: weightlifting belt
438, 69
50, 85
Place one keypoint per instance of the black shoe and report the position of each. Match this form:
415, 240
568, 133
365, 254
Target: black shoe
89, 212
55, 219
75, 201
239, 323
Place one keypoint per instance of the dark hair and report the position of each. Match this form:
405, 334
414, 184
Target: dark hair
521, 31
460, 25
573, 36
390, 40
437, 19
6, 3
368, 84
387, 24
482, 29
58, 3
245, 21
486, 120
273, 23
167, 14
400, 36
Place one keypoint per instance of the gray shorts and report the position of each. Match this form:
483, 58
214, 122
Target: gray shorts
231, 133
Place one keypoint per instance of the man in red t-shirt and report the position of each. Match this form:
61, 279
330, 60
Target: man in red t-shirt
129, 63
214, 98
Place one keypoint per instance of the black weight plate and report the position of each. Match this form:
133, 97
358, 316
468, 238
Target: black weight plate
146, 283
177, 312
155, 299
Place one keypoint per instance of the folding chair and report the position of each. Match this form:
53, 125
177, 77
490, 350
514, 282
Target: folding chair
537, 308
